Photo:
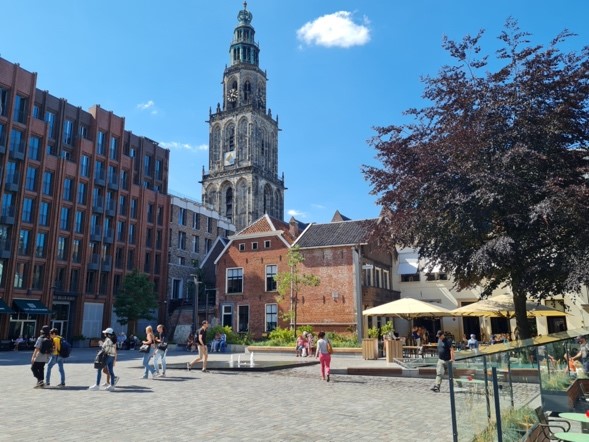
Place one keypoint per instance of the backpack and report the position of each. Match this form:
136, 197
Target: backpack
65, 348
46, 345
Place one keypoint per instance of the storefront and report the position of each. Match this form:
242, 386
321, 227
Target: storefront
63, 313
23, 321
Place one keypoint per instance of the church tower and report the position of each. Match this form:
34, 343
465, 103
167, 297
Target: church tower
242, 182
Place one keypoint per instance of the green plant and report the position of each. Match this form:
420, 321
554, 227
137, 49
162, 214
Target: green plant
387, 329
373, 332
232, 337
281, 337
304, 328
514, 421
557, 380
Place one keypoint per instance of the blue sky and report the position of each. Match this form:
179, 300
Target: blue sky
335, 69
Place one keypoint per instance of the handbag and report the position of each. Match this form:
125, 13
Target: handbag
100, 359
144, 348
163, 346
329, 348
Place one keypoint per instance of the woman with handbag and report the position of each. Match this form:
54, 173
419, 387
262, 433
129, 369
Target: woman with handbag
148, 348
323, 352
161, 350
109, 349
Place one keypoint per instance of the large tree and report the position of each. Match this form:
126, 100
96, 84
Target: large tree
137, 299
490, 178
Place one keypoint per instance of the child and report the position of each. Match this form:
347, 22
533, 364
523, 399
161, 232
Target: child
301, 343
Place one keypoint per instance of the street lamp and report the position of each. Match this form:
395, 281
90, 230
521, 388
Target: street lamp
195, 301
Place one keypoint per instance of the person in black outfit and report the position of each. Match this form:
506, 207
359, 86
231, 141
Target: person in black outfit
445, 354
202, 348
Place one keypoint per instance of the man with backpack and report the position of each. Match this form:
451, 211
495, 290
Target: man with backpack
41, 354
59, 353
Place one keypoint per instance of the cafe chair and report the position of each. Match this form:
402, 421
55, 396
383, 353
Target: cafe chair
584, 396
551, 426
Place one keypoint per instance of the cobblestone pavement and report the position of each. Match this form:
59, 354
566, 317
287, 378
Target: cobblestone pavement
284, 405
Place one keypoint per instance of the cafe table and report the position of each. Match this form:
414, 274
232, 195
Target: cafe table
574, 437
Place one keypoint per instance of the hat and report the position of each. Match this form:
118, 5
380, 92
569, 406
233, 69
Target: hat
439, 333
108, 331
45, 329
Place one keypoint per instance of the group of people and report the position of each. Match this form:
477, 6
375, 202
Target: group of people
47, 351
305, 344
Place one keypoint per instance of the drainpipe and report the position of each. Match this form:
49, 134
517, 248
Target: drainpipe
357, 262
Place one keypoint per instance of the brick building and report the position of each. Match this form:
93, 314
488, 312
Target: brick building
83, 202
355, 274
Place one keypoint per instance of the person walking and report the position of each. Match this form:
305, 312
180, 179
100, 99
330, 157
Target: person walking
110, 348
150, 341
203, 354
41, 354
55, 359
324, 355
445, 354
161, 351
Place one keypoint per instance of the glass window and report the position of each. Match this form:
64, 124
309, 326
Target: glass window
20, 109
195, 244
50, 120
62, 248
40, 245
100, 142
114, 148
85, 166
196, 221
64, 219
159, 169
20, 276
182, 240
31, 179
134, 203
81, 198
34, 148
79, 222
123, 205
38, 271
68, 132
47, 187
147, 165
271, 317
150, 212
77, 251
120, 231
2, 135
27, 210
243, 316
16, 141
234, 280
132, 234
68, 184
124, 180
23, 242
3, 101
44, 209
270, 274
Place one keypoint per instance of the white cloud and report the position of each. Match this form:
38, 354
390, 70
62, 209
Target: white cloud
337, 29
174, 145
148, 106
318, 206
297, 213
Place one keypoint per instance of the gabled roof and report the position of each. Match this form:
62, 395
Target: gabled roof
214, 251
267, 224
337, 233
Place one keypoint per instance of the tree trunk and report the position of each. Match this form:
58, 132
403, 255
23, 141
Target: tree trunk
521, 314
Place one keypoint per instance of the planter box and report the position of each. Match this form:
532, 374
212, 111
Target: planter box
370, 348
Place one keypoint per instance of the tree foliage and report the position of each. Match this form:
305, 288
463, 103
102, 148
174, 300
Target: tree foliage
490, 178
291, 282
137, 298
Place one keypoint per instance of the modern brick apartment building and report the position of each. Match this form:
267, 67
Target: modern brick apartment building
84, 201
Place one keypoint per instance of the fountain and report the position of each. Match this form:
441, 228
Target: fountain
252, 363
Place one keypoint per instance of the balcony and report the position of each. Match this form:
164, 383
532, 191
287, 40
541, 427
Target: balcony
106, 264
17, 152
98, 205
5, 250
111, 208
109, 236
94, 262
99, 178
96, 233
7, 216
12, 183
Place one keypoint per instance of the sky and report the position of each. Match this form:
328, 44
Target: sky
336, 70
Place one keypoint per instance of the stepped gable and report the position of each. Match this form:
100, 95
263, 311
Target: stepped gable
337, 233
267, 224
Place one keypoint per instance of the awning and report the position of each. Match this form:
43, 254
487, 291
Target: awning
31, 307
4, 307
408, 267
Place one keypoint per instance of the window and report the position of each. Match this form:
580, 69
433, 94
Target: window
147, 263
208, 243
31, 179
16, 141
177, 289
121, 231
27, 210
243, 318
79, 222
34, 145
125, 180
130, 259
159, 169
227, 315
150, 212
182, 240
20, 270
134, 203
64, 219
147, 165
23, 242
160, 215
62, 248
50, 120
38, 271
114, 148
271, 271
209, 225
81, 197
85, 166
181, 216
44, 209
83, 131
254, 246
386, 279
47, 187
2, 135
8, 204
195, 244
234, 280
123, 205
68, 185
378, 278
436, 276
40, 245
241, 247
76, 251
68, 132
412, 277
267, 244
3, 101
132, 234
100, 142
271, 317
20, 109
158, 240
149, 238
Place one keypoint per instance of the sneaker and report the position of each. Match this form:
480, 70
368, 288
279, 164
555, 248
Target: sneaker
104, 384
188, 367
40, 384
110, 388
204, 370
143, 377
116, 380
94, 388
62, 385
163, 375
435, 389
47, 384
327, 378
